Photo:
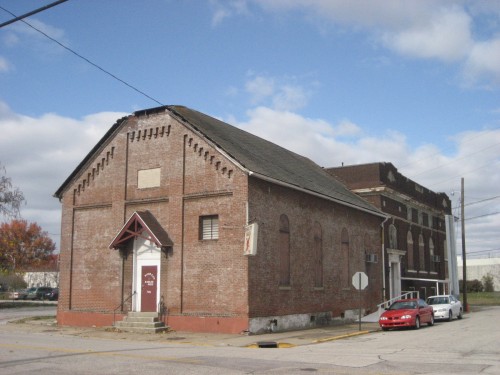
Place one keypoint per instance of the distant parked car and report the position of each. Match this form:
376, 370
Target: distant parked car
53, 295
446, 307
407, 313
18, 294
38, 292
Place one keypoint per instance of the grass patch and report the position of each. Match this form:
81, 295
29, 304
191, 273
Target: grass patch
14, 304
483, 298
33, 318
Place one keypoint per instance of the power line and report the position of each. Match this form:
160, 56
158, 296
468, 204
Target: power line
30, 13
477, 217
469, 139
455, 160
484, 200
87, 60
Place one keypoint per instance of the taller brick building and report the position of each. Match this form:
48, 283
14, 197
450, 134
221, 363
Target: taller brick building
178, 213
415, 251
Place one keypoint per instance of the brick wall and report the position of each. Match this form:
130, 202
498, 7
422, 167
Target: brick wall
337, 295
199, 278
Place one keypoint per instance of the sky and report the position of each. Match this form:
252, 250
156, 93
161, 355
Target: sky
411, 82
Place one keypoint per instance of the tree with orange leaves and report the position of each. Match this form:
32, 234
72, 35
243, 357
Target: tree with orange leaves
24, 245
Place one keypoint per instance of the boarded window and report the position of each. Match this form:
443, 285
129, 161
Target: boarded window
318, 255
284, 251
209, 227
148, 178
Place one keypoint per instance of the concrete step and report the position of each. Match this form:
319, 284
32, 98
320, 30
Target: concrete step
125, 324
142, 322
144, 330
140, 319
142, 314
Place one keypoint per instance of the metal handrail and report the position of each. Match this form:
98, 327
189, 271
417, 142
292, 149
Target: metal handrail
410, 294
121, 306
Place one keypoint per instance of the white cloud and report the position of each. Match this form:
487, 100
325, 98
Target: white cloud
225, 9
476, 157
20, 33
40, 153
4, 65
445, 36
448, 30
282, 94
483, 63
260, 88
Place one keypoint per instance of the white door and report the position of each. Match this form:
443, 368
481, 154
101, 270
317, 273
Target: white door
146, 254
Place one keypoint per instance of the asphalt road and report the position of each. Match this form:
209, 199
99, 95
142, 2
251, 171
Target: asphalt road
43, 309
467, 346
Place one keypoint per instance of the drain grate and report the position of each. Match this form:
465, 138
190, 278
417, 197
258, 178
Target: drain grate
267, 344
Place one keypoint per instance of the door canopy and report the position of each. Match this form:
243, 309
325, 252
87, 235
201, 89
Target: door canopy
136, 225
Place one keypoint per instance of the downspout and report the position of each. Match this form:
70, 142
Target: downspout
183, 187
383, 257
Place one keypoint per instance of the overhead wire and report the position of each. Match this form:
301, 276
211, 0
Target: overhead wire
38, 10
113, 76
86, 59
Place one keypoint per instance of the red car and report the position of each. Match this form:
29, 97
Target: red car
407, 313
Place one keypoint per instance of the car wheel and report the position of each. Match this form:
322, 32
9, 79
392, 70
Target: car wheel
450, 316
385, 329
417, 323
431, 322
460, 314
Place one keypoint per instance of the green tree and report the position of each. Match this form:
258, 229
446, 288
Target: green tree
11, 281
11, 197
24, 245
473, 286
488, 283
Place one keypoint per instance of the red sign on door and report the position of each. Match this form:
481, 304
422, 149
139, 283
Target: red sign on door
149, 286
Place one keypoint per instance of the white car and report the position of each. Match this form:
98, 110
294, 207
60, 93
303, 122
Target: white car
445, 307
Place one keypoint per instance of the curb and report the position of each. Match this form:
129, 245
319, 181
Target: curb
333, 338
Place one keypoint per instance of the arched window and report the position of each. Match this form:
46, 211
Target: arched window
409, 251
318, 255
421, 254
284, 251
431, 253
344, 246
393, 237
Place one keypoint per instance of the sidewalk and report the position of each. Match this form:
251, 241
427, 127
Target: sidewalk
268, 340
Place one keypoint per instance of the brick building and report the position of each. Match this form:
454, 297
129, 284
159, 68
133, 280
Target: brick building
218, 230
415, 252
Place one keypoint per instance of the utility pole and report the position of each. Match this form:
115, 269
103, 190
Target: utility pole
464, 267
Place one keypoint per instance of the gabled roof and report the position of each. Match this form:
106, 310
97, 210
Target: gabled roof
266, 160
256, 156
139, 222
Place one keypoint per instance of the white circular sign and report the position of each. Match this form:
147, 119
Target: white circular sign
360, 280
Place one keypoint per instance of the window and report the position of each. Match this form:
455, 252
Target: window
318, 253
409, 250
421, 254
393, 237
344, 246
431, 252
284, 251
209, 227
